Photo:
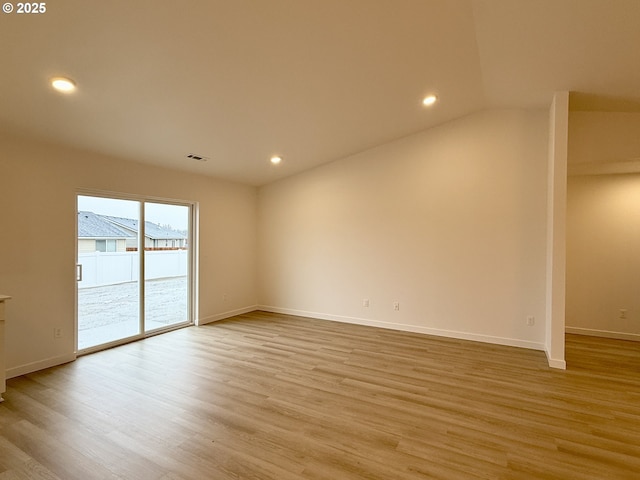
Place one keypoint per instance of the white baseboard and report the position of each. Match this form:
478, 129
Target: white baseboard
556, 362
40, 365
511, 342
603, 333
229, 314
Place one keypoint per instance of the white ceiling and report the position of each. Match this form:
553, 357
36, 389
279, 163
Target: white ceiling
312, 80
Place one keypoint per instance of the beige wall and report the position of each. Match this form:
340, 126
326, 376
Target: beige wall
603, 255
603, 224
38, 184
450, 223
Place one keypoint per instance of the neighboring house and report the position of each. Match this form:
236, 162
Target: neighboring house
102, 233
156, 237
96, 234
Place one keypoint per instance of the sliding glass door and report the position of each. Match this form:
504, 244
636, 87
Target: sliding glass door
133, 267
166, 265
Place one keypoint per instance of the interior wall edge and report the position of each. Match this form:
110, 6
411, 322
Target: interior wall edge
556, 227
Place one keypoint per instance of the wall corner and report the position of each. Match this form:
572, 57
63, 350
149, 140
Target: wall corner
556, 229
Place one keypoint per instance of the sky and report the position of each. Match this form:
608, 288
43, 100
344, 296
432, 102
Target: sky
177, 216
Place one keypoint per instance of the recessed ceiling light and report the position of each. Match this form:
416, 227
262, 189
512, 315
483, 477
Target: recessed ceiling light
276, 159
429, 100
64, 85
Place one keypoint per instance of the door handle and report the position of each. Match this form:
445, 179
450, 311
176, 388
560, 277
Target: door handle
79, 272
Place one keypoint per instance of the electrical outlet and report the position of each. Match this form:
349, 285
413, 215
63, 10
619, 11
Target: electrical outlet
623, 313
531, 321
365, 302
57, 332
396, 306
225, 297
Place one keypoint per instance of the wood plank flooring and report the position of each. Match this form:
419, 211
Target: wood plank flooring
266, 396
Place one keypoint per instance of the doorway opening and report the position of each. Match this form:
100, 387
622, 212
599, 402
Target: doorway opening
134, 266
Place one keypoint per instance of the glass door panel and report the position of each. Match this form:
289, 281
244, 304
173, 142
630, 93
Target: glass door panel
166, 265
108, 268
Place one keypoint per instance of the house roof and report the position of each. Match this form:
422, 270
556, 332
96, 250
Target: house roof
312, 81
151, 230
91, 225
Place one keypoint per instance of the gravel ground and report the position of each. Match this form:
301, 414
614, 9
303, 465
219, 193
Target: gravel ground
111, 312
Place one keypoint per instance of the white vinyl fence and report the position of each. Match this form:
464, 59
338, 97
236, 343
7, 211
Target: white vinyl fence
108, 268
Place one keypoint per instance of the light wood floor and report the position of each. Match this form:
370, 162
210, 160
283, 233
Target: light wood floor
265, 396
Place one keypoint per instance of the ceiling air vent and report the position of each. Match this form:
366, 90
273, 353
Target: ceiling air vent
199, 158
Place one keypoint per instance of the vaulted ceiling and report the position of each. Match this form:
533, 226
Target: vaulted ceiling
237, 81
